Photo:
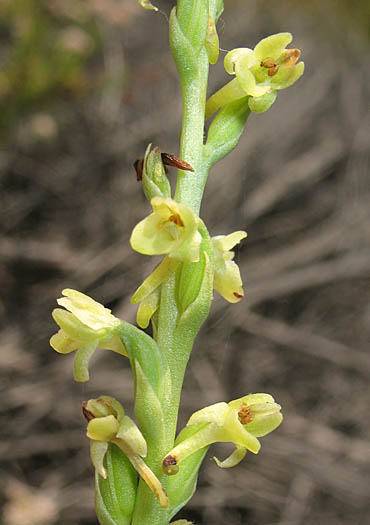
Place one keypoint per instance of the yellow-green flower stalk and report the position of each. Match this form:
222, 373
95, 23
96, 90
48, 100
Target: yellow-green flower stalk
84, 325
177, 295
240, 422
260, 73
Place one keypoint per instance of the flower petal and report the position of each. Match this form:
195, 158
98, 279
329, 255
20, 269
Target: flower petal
62, 343
212, 414
98, 449
236, 433
81, 362
248, 81
224, 243
129, 432
89, 312
234, 56
262, 104
73, 327
251, 399
147, 308
228, 283
155, 279
272, 46
287, 76
232, 460
102, 428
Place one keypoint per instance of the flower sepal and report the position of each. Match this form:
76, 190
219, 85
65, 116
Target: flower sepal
227, 280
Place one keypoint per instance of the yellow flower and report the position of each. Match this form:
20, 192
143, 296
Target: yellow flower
85, 326
240, 422
172, 229
260, 73
107, 423
227, 280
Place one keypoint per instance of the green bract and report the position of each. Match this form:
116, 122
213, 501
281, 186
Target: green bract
260, 73
86, 326
239, 422
155, 182
171, 229
227, 280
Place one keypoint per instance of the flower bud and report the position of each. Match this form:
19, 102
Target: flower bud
155, 181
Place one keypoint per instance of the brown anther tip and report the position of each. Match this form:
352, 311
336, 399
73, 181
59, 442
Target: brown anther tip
273, 70
238, 295
87, 414
245, 415
139, 165
290, 57
271, 65
268, 62
169, 465
172, 160
176, 219
169, 461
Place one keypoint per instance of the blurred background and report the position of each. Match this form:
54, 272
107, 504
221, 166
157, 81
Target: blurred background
85, 85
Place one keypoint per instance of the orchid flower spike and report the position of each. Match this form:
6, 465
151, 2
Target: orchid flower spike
107, 423
86, 326
260, 73
227, 280
240, 422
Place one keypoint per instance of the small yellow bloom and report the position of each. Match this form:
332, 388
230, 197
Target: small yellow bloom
172, 229
260, 73
240, 422
86, 326
107, 423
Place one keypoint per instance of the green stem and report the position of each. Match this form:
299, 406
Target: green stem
190, 186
